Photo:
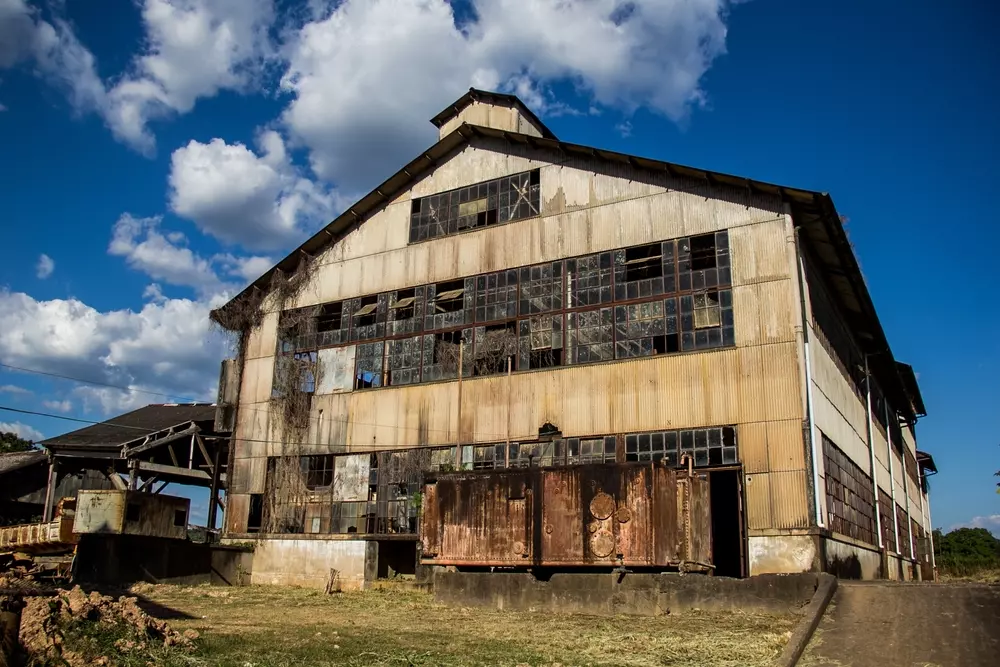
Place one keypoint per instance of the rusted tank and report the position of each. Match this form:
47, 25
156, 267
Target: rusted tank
635, 515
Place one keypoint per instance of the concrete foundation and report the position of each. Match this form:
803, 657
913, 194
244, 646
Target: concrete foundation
782, 554
609, 594
851, 561
308, 562
127, 559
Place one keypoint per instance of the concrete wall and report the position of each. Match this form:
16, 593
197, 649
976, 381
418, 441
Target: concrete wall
609, 594
307, 562
849, 560
771, 554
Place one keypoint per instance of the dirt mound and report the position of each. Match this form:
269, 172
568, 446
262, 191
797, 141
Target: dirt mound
78, 629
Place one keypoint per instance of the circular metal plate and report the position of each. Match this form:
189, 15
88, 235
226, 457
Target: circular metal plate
518, 548
594, 526
624, 515
602, 544
602, 506
548, 529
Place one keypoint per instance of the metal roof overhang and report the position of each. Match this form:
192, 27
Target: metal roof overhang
812, 211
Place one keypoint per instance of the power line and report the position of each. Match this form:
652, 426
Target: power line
95, 382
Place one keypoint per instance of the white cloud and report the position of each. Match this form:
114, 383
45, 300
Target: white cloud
60, 406
145, 249
237, 196
44, 267
13, 389
166, 347
195, 48
21, 430
246, 268
366, 76
624, 128
53, 50
990, 523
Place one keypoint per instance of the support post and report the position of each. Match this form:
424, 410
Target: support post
50, 490
871, 453
133, 474
458, 446
213, 497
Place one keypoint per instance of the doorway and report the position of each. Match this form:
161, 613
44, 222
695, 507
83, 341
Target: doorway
728, 544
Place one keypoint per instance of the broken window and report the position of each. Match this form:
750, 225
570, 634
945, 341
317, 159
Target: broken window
317, 470
644, 271
904, 531
496, 296
887, 521
442, 459
541, 288
707, 320
540, 342
475, 206
850, 499
368, 314
588, 280
640, 331
703, 261
449, 304
180, 518
297, 329
406, 311
403, 363
590, 336
535, 454
294, 372
368, 365
441, 355
494, 345
332, 324
705, 446
590, 450
349, 516
487, 457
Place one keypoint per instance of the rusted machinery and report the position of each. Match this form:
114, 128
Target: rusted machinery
602, 515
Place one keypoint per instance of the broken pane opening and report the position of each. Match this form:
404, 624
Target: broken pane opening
403, 306
367, 313
329, 316
545, 358
707, 312
446, 348
318, 470
449, 297
495, 345
255, 518
703, 252
643, 262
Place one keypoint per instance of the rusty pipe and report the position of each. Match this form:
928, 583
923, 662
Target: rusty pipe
690, 463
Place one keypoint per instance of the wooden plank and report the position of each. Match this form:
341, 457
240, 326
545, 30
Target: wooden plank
174, 471
152, 444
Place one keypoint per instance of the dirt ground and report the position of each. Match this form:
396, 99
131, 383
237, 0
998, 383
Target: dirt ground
879, 624
273, 627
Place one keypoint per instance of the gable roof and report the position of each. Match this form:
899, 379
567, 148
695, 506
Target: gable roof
110, 435
813, 212
489, 97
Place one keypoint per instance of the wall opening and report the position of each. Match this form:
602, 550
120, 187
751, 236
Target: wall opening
728, 552
397, 558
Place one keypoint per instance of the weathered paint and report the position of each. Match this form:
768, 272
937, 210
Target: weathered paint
131, 513
781, 554
491, 115
335, 370
308, 562
851, 561
632, 514
350, 478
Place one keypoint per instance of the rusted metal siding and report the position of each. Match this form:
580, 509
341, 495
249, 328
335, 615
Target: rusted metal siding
578, 516
237, 512
131, 513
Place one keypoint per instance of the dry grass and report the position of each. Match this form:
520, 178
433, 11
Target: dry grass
273, 627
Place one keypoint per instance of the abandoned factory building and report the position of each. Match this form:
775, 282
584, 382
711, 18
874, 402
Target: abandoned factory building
519, 352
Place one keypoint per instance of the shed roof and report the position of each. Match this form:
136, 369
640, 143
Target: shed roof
12, 461
499, 99
115, 432
812, 211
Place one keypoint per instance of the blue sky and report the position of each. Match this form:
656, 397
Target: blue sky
162, 153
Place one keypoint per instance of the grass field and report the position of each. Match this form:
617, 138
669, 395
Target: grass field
274, 627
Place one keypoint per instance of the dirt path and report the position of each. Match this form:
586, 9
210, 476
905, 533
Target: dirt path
908, 625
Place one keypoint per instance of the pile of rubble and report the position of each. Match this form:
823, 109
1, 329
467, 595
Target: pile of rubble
45, 622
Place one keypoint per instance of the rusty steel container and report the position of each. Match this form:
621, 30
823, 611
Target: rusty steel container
609, 514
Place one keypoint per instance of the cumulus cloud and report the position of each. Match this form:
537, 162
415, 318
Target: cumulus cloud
166, 347
254, 199
195, 48
13, 389
366, 76
146, 249
59, 406
21, 430
44, 267
54, 52
990, 522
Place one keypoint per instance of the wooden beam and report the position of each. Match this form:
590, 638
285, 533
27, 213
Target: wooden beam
162, 486
204, 452
173, 454
152, 444
148, 483
174, 471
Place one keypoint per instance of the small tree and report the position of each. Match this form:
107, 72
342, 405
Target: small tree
12, 442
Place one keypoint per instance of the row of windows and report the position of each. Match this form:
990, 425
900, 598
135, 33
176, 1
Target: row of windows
476, 206
698, 264
850, 498
676, 324
885, 515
